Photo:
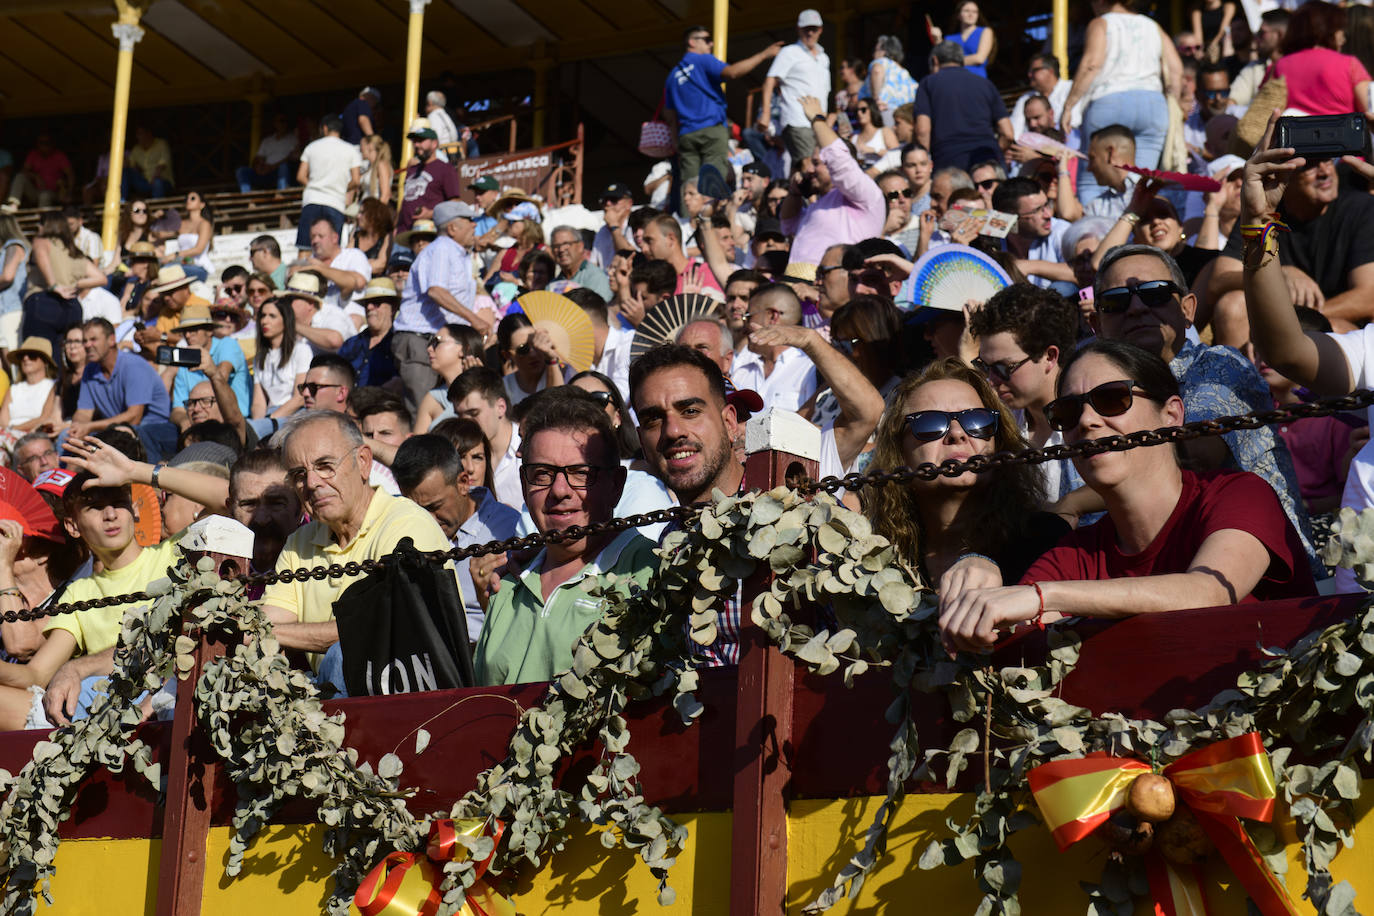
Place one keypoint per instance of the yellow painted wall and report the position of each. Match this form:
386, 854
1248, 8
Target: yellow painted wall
286, 874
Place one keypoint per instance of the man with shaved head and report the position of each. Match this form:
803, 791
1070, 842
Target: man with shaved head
713, 339
784, 377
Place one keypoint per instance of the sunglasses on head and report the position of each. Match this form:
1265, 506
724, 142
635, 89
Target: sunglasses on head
1154, 293
932, 425
1110, 399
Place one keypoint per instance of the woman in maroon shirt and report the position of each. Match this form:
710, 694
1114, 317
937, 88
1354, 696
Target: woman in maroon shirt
1171, 538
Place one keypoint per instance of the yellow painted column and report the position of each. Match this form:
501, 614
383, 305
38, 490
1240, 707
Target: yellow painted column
128, 33
414, 40
720, 28
1061, 36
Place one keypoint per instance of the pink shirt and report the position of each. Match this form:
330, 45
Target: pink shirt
851, 211
1322, 81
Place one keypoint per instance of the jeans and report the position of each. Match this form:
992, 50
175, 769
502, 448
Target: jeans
1143, 112
136, 185
250, 180
309, 214
159, 438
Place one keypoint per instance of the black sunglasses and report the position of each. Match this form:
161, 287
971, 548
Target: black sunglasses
602, 398
987, 184
314, 388
1000, 371
1154, 293
930, 425
1216, 93
1110, 399
524, 349
898, 195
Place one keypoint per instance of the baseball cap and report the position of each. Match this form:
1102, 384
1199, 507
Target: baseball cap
1223, 163
485, 183
746, 401
420, 129
450, 210
53, 481
616, 191
809, 18
400, 259
758, 168
769, 226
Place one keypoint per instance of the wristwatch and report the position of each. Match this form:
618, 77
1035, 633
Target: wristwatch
1132, 218
817, 117
157, 469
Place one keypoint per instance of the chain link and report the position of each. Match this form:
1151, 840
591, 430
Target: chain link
1356, 400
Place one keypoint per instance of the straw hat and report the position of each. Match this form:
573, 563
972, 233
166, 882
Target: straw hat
142, 251
509, 198
34, 346
171, 277
380, 288
195, 316
420, 228
302, 285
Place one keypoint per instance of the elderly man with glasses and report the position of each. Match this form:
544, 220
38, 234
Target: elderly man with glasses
569, 250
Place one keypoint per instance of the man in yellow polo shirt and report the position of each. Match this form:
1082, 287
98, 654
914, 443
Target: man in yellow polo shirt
328, 462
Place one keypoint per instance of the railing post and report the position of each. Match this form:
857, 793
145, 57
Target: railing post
192, 766
780, 445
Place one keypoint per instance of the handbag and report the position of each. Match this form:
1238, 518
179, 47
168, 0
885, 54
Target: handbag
655, 137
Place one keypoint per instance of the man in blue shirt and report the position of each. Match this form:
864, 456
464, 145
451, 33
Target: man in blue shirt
960, 116
693, 97
197, 328
120, 388
357, 116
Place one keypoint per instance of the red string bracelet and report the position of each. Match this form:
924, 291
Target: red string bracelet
1040, 614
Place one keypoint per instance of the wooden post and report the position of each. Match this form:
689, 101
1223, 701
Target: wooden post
192, 765
780, 445
1060, 36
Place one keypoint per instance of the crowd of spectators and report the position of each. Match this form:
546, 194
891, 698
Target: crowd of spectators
383, 381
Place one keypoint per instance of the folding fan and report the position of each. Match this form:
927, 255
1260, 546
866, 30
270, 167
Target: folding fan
20, 501
148, 508
662, 323
1187, 182
551, 311
950, 275
1043, 144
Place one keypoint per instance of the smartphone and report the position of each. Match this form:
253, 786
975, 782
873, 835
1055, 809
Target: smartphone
1324, 136
178, 356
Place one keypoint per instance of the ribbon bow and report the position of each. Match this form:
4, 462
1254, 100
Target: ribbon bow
1219, 783
406, 884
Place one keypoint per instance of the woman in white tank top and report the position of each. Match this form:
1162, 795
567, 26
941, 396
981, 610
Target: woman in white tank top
1128, 65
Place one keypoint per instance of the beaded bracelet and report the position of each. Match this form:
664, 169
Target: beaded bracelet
1262, 240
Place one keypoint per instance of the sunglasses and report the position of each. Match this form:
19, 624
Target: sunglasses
1110, 399
436, 342
139, 210
524, 349
987, 184
314, 388
222, 315
891, 196
932, 425
1216, 93
233, 288
602, 398
1154, 293
1000, 371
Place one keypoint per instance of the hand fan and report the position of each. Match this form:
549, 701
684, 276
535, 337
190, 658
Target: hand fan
712, 184
950, 275
1187, 182
148, 509
1043, 144
550, 310
662, 323
20, 501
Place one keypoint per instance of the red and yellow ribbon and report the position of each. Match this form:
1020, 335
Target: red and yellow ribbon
406, 884
1219, 783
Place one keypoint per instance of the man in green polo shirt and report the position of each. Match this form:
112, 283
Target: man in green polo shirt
570, 475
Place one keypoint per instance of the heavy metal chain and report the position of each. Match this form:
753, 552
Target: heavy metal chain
1356, 400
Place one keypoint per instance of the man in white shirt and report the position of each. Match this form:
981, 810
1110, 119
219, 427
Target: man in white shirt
479, 395
85, 239
441, 123
799, 70
783, 376
1109, 149
346, 270
271, 166
329, 166
1043, 74
325, 327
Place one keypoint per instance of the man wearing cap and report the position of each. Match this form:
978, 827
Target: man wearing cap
570, 251
197, 329
324, 325
616, 203
330, 168
753, 184
119, 387
370, 351
357, 116
429, 180
489, 228
693, 98
173, 289
346, 270
440, 289
799, 70
398, 267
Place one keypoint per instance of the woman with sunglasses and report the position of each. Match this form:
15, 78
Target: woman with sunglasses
872, 140
967, 531
1171, 539
134, 223
532, 355
452, 350
1152, 220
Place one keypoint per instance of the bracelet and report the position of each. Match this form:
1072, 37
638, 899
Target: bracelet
12, 590
1132, 218
1040, 614
981, 556
1261, 240
157, 469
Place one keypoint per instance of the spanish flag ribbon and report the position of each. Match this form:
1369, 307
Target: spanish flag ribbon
1219, 783
406, 884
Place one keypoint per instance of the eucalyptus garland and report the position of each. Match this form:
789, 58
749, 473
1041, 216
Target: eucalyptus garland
865, 609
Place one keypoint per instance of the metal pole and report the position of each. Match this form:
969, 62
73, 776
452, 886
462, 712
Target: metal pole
128, 33
1061, 36
414, 40
720, 28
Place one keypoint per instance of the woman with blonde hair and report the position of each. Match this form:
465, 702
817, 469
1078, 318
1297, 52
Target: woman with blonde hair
380, 174
973, 530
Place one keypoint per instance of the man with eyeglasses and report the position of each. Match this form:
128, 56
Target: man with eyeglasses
198, 332
569, 249
695, 104
784, 376
328, 464
571, 476
1043, 76
1037, 239
1141, 297
34, 454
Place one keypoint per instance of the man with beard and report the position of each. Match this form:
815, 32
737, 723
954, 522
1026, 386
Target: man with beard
687, 431
429, 180
262, 499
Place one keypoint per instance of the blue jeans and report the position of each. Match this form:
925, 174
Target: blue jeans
1143, 112
136, 184
310, 213
250, 180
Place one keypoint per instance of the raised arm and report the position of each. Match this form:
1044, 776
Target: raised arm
112, 468
741, 67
